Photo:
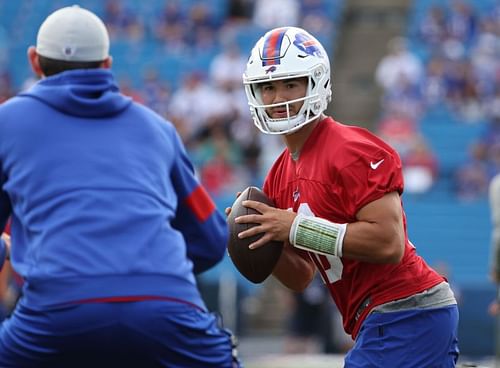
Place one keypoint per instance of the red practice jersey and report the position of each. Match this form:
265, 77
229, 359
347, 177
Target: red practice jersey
342, 168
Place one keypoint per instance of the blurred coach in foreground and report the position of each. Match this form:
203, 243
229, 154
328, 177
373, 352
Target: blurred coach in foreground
109, 223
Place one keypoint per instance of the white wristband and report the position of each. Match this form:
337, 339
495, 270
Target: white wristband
317, 235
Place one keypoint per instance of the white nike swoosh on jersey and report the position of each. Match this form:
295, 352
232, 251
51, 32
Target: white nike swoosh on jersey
376, 164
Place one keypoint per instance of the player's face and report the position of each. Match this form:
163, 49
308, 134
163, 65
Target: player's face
281, 91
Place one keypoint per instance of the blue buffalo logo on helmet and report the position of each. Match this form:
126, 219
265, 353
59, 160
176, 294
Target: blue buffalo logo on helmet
271, 69
307, 44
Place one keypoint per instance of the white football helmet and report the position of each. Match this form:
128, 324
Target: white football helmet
283, 53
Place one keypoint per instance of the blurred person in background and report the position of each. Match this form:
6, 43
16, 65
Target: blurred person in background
337, 190
397, 64
227, 67
420, 167
109, 223
277, 13
194, 104
471, 179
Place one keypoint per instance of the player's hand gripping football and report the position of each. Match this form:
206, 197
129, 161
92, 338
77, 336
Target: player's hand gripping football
273, 222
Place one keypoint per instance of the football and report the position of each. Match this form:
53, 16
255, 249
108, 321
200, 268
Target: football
257, 264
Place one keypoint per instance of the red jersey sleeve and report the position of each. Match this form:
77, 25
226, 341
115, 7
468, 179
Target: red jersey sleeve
371, 177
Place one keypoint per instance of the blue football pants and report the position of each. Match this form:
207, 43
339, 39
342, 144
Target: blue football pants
129, 334
410, 339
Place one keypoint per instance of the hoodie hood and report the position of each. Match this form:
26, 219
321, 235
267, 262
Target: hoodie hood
88, 93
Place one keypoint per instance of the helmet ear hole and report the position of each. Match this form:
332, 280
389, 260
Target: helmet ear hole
316, 108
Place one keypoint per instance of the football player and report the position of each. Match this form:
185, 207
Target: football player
337, 189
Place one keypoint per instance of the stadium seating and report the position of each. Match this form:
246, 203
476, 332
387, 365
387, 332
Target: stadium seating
21, 20
443, 227
449, 138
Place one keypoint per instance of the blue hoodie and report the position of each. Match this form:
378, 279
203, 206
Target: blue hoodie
103, 198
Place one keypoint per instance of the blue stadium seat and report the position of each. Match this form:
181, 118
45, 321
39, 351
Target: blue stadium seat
450, 142
452, 231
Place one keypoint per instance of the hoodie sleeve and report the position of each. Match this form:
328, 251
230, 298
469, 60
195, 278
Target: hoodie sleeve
204, 228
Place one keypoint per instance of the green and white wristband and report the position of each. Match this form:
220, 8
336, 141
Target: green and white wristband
317, 235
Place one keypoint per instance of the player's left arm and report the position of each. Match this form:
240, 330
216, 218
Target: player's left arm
372, 188
378, 235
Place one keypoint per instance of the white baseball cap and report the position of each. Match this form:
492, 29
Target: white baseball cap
73, 34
